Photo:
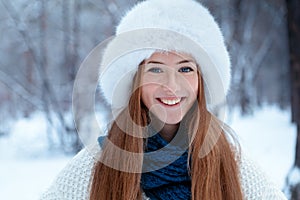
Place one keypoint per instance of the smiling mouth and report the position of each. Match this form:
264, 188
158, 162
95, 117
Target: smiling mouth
170, 101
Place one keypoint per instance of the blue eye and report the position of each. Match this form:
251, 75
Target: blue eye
155, 70
185, 69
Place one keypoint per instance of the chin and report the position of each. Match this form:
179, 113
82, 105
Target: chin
173, 121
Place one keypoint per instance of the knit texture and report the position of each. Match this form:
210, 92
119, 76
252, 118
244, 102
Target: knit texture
73, 182
170, 182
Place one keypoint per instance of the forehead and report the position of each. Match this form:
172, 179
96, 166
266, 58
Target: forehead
169, 57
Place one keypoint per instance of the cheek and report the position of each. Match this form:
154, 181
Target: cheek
195, 87
193, 83
148, 95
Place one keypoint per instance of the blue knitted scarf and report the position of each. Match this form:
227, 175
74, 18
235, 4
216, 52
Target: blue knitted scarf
173, 180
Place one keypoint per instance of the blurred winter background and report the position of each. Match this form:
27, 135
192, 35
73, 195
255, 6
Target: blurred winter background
43, 43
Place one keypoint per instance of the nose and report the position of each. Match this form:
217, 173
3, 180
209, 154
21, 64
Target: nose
172, 82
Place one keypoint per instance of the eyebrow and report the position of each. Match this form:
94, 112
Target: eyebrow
185, 61
180, 62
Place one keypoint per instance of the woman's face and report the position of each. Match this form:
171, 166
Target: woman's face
169, 85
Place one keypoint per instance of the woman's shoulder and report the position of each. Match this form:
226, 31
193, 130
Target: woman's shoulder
74, 180
255, 183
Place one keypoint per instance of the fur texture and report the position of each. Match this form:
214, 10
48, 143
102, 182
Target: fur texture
168, 25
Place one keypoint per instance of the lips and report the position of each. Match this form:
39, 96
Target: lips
170, 101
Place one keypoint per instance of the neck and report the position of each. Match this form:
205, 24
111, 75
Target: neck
169, 131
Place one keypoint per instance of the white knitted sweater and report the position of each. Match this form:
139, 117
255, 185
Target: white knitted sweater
73, 181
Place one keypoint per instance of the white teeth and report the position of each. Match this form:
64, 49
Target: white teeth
170, 101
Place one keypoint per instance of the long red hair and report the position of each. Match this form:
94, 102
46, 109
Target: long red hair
214, 168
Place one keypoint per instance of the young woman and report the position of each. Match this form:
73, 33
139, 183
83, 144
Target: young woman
165, 75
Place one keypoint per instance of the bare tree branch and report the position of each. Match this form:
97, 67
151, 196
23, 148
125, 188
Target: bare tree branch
20, 90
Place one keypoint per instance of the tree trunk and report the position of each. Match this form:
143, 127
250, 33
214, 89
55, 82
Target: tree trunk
75, 58
293, 7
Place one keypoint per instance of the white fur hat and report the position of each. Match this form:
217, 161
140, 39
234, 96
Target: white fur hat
168, 25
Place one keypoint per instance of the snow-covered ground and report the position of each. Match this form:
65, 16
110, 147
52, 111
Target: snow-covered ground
268, 138
27, 167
